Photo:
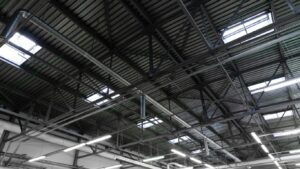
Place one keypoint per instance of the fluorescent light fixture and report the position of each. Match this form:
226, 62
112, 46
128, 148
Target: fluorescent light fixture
153, 158
74, 147
178, 165
298, 164
195, 160
113, 167
256, 138
276, 163
197, 151
115, 96
278, 85
179, 139
265, 148
178, 153
209, 166
294, 151
271, 156
282, 84
287, 133
149, 123
98, 139
278, 115
257, 88
37, 159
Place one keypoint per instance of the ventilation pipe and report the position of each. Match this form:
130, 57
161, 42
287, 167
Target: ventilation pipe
11, 127
36, 21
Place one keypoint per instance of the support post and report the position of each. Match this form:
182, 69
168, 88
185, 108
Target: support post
143, 107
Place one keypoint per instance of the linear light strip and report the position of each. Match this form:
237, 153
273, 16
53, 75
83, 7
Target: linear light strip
37, 159
265, 148
74, 147
278, 85
154, 158
113, 167
195, 160
287, 133
271, 156
294, 151
98, 139
256, 138
209, 166
178, 153
191, 158
87, 143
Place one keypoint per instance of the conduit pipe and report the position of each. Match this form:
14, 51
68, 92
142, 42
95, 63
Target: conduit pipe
36, 21
11, 127
266, 161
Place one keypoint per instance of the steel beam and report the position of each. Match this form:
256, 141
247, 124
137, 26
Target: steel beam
194, 24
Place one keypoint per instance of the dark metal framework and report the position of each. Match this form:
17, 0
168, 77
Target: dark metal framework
170, 52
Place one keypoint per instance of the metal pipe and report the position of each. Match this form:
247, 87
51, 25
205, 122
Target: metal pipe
266, 161
67, 143
8, 31
143, 108
50, 30
262, 109
36, 21
193, 23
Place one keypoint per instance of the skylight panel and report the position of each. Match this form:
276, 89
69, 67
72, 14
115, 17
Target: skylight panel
13, 55
94, 97
255, 88
234, 33
179, 139
247, 26
149, 123
97, 96
278, 115
9, 53
24, 43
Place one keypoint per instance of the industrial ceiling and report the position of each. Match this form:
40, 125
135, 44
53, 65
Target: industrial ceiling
151, 83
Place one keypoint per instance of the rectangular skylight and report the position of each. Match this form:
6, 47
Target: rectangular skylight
97, 96
255, 88
278, 115
25, 43
149, 123
247, 26
14, 56
180, 139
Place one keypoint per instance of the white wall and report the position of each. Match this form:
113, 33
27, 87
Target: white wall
35, 148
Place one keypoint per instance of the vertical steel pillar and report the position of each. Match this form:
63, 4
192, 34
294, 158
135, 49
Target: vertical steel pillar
143, 107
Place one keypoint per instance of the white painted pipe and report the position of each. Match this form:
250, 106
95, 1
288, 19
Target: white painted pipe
36, 21
266, 161
11, 127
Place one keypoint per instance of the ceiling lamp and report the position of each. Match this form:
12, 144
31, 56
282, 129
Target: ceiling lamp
37, 159
178, 153
99, 139
153, 158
